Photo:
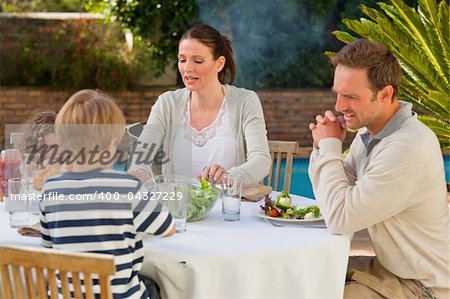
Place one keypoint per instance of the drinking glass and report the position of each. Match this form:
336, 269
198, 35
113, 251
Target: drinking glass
173, 193
231, 197
29, 168
17, 203
9, 167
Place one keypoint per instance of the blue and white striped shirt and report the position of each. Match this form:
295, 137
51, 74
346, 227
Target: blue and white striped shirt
99, 211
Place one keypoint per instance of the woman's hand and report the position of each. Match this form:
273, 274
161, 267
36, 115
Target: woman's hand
213, 173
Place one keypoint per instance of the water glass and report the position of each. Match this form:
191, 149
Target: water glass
173, 193
18, 203
29, 168
231, 197
179, 207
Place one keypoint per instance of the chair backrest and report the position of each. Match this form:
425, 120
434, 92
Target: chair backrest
278, 151
134, 131
26, 272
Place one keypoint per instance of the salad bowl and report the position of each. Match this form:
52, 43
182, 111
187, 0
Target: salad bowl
203, 198
199, 195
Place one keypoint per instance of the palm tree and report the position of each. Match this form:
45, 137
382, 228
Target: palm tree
419, 38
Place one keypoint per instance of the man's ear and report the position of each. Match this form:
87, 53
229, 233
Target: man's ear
386, 94
220, 63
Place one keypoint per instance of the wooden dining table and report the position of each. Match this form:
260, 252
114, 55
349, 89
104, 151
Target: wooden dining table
250, 258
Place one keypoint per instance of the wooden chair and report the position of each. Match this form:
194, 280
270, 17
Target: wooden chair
134, 131
17, 264
278, 151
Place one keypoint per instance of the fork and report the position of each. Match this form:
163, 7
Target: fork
296, 225
273, 223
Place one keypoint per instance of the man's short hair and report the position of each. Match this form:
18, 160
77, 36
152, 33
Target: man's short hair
382, 67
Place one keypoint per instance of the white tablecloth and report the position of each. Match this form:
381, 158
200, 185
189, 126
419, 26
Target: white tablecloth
246, 259
9, 236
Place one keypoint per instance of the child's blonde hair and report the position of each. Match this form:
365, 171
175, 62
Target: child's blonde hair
88, 119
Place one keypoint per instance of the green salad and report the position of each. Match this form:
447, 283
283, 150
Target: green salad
290, 211
202, 200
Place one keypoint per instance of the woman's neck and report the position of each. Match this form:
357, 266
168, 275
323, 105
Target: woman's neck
209, 98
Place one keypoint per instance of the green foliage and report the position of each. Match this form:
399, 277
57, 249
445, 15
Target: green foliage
69, 55
159, 24
277, 43
40, 5
419, 38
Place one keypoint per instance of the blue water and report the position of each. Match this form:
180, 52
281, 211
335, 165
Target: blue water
301, 184
447, 168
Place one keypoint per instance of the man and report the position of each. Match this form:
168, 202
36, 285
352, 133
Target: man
391, 181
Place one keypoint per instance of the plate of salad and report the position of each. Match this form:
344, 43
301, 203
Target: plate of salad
284, 210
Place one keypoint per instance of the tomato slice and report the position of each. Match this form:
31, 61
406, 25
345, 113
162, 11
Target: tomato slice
272, 213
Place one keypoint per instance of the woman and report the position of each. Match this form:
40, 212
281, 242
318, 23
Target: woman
208, 128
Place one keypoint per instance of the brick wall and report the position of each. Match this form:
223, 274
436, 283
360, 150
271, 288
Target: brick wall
287, 112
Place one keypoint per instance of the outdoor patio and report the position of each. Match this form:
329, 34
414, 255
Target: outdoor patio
284, 238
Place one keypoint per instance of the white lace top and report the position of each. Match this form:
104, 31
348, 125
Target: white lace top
216, 144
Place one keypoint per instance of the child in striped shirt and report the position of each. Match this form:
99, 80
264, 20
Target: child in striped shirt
95, 208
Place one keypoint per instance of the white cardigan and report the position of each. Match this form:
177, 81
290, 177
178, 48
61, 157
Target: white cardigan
247, 119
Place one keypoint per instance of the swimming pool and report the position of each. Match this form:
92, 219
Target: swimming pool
301, 184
